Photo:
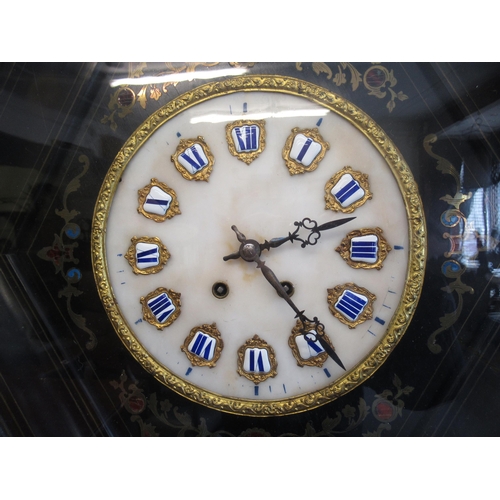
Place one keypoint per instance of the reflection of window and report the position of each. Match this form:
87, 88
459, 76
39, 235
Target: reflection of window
477, 214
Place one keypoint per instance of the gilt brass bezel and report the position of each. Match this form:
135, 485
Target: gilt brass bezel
219, 345
172, 210
417, 247
244, 156
295, 167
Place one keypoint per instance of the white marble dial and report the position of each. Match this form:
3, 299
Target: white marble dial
263, 200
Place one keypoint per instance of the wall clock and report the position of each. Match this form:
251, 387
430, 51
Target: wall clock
259, 245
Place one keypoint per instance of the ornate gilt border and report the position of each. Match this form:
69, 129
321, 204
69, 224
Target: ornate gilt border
417, 243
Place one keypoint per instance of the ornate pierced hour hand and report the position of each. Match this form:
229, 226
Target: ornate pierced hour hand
250, 251
312, 238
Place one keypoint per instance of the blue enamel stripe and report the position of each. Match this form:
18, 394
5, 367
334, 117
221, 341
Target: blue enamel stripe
347, 191
327, 373
141, 256
351, 305
380, 320
256, 390
397, 247
161, 307
316, 348
250, 136
152, 201
147, 252
259, 361
304, 149
189, 370
199, 347
199, 163
240, 139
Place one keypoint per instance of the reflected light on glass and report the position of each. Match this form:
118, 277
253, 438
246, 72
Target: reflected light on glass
178, 77
218, 118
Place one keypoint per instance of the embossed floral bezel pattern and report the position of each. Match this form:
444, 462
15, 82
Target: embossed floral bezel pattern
150, 317
245, 156
211, 330
204, 173
295, 167
416, 229
333, 204
173, 208
344, 249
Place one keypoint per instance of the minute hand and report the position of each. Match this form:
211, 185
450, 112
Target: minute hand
275, 282
312, 238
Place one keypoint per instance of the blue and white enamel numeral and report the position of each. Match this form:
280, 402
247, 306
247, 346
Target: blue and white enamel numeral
304, 150
162, 307
347, 190
193, 159
364, 249
246, 138
203, 346
157, 201
147, 255
307, 348
351, 304
256, 360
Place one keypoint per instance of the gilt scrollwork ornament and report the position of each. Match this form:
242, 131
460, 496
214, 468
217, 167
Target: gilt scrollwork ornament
304, 149
257, 360
203, 346
351, 304
161, 307
147, 255
246, 139
364, 249
158, 202
347, 190
306, 349
193, 159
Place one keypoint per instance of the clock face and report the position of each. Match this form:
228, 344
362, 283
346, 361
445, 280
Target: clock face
259, 153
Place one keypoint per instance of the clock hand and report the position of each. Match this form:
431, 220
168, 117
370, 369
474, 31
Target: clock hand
312, 238
250, 251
